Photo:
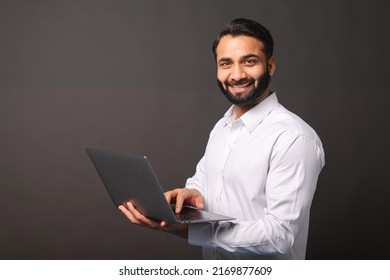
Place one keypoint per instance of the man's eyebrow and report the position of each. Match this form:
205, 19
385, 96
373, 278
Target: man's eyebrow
247, 56
250, 56
225, 59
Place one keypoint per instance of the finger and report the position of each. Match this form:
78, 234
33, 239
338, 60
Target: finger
134, 212
168, 196
171, 195
180, 198
131, 213
196, 199
199, 202
141, 219
127, 213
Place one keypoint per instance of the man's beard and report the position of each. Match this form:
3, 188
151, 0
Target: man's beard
250, 97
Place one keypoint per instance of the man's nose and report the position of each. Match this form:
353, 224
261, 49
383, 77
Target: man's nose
238, 73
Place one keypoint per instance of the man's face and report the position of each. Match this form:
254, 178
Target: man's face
243, 71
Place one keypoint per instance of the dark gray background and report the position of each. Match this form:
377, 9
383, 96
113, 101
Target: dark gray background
139, 77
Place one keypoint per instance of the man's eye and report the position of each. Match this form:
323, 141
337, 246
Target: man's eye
224, 64
250, 62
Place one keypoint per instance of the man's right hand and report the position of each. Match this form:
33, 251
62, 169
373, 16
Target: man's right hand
186, 196
137, 218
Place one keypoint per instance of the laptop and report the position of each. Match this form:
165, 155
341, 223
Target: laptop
130, 178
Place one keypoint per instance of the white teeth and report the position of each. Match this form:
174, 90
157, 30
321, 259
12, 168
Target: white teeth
241, 86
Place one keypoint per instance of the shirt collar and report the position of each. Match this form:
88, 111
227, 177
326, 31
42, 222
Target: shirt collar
256, 115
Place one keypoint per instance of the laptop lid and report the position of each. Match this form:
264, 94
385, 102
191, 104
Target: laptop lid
131, 178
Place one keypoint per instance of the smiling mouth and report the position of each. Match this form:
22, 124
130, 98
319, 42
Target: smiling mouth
240, 87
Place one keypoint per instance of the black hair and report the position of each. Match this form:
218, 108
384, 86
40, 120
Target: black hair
247, 27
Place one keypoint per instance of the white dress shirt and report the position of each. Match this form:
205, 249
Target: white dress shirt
261, 169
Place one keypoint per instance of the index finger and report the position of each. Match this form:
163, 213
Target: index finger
176, 196
169, 195
180, 198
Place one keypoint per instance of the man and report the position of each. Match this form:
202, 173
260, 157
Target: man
260, 166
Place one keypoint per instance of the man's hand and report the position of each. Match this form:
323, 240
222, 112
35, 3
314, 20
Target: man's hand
185, 196
137, 218
180, 196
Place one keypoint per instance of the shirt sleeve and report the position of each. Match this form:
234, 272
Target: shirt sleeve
196, 182
294, 168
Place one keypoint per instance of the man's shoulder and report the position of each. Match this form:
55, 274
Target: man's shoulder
287, 122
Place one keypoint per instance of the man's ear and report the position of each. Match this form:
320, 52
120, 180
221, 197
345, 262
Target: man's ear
271, 65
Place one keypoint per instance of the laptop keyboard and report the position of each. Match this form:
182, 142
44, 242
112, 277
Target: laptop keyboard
188, 214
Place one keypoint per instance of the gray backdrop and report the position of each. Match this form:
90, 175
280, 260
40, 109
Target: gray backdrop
139, 77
